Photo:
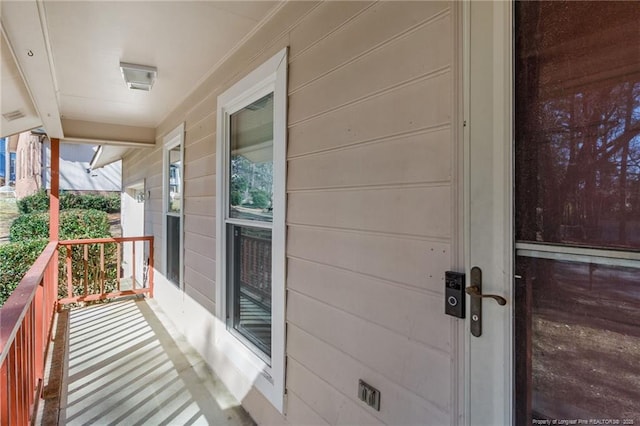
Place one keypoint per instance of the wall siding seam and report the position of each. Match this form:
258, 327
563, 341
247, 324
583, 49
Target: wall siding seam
442, 352
198, 178
199, 240
200, 255
199, 274
391, 283
190, 126
193, 175
304, 403
446, 352
199, 216
375, 94
209, 300
373, 187
381, 280
432, 404
373, 49
191, 117
190, 142
195, 210
397, 235
356, 403
193, 144
330, 33
366, 142
198, 197
361, 232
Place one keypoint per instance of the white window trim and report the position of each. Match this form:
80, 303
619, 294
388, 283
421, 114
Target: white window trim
171, 140
268, 77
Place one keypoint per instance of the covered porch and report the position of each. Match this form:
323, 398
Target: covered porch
123, 362
103, 352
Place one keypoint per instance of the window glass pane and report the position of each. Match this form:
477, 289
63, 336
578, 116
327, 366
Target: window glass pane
175, 180
249, 289
173, 249
578, 123
577, 350
251, 168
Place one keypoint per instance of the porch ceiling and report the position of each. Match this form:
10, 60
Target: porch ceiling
68, 53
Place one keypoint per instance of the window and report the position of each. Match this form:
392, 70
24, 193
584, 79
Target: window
250, 219
172, 204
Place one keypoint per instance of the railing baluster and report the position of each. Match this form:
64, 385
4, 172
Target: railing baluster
133, 265
118, 264
4, 395
39, 332
150, 268
106, 261
85, 248
69, 273
102, 268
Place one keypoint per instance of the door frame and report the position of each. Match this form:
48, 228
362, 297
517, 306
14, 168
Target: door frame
487, 76
127, 231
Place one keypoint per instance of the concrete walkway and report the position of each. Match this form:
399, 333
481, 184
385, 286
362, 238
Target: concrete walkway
124, 367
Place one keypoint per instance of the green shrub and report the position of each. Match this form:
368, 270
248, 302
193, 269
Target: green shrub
260, 198
33, 228
15, 260
74, 224
39, 202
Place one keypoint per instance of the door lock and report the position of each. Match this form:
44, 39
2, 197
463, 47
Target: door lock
475, 291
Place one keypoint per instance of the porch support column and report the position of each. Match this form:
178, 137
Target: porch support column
54, 195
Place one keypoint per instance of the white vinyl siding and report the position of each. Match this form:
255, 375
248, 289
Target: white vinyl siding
371, 181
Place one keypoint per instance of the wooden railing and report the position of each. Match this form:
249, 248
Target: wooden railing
90, 270
106, 268
25, 328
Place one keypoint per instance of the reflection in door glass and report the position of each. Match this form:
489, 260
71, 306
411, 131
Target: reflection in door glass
577, 183
578, 123
583, 340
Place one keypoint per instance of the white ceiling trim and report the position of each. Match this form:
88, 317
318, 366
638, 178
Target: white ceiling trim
22, 24
15, 97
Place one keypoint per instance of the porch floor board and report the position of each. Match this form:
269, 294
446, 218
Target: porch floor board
124, 367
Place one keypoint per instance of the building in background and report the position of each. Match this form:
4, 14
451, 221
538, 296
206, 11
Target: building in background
28, 163
76, 174
7, 163
32, 159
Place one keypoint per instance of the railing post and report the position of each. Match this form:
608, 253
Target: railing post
151, 268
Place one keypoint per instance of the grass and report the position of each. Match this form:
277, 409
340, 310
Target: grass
8, 212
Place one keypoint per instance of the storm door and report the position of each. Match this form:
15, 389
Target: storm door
577, 212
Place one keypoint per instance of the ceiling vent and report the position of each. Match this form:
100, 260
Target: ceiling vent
138, 77
13, 115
